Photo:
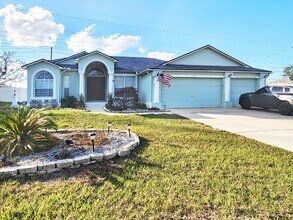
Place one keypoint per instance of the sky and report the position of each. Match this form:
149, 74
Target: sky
258, 33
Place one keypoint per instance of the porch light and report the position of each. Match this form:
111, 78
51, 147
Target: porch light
109, 124
92, 137
128, 128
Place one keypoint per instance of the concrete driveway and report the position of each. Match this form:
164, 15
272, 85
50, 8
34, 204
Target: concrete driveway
263, 125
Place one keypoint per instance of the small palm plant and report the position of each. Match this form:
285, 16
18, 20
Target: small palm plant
24, 129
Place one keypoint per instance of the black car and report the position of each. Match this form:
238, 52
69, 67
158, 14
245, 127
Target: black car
264, 98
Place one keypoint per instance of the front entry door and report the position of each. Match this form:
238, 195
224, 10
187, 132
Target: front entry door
96, 87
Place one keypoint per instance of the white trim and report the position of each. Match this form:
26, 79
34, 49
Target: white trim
227, 90
157, 89
81, 89
245, 77
96, 52
40, 61
122, 74
215, 71
33, 85
197, 76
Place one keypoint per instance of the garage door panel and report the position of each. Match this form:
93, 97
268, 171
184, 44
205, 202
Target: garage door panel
191, 92
240, 86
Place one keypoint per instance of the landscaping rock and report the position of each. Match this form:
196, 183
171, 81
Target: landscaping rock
27, 169
81, 159
53, 170
47, 166
96, 156
64, 163
110, 154
128, 147
123, 153
8, 171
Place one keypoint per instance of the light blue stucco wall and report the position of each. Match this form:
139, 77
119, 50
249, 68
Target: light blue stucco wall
145, 88
55, 71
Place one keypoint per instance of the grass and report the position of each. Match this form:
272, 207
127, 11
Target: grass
182, 170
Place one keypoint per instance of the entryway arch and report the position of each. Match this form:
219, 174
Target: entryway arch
96, 81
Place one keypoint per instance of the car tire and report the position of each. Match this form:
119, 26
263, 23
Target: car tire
285, 108
245, 104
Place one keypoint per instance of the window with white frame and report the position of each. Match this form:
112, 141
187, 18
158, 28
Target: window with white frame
43, 84
121, 82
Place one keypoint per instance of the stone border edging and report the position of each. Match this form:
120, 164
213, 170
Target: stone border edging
53, 166
132, 111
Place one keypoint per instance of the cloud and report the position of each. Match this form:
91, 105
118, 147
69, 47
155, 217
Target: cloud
111, 45
34, 28
142, 49
161, 55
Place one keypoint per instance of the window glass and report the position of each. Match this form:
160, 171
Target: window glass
129, 81
277, 89
262, 90
123, 81
118, 83
43, 84
287, 89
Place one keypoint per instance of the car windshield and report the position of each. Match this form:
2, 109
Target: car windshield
276, 89
263, 90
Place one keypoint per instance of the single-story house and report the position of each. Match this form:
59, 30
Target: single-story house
205, 77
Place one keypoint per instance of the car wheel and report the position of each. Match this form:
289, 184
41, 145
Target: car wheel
285, 108
245, 104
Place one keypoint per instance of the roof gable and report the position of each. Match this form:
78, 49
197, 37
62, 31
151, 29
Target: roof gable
40, 61
206, 55
99, 53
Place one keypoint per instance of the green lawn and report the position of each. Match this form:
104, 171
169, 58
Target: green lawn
182, 170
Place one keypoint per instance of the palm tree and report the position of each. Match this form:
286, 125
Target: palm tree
24, 129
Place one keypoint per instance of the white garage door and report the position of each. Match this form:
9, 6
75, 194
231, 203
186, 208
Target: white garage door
192, 92
240, 86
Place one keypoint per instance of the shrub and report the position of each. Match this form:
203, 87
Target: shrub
139, 105
69, 102
48, 103
24, 129
81, 102
36, 104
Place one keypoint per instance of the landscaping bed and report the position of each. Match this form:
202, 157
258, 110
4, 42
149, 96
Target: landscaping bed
74, 144
151, 110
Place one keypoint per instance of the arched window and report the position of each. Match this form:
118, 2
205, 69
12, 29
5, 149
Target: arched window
43, 84
96, 72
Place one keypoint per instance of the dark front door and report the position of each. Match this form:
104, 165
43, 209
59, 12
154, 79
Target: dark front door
96, 88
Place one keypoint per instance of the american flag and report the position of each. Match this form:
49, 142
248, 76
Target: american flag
165, 78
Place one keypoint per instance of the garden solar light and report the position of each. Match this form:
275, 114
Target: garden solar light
92, 136
109, 123
128, 128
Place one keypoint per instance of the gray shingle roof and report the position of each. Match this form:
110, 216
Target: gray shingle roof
210, 68
139, 64
135, 64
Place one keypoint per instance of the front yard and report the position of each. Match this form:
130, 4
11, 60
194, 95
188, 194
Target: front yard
182, 169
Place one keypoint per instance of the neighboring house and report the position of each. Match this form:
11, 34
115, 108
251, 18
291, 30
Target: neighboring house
284, 81
205, 77
6, 94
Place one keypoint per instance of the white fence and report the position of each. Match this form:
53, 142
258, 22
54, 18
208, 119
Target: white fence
6, 94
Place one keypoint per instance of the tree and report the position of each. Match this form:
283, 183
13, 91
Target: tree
10, 70
288, 71
24, 129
